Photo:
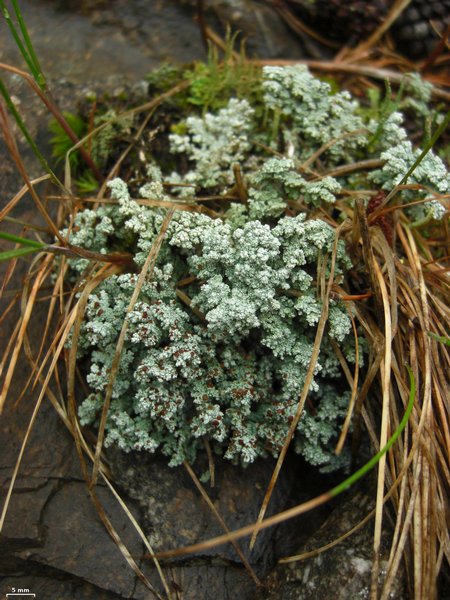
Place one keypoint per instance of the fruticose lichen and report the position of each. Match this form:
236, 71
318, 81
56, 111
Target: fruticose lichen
220, 339
231, 369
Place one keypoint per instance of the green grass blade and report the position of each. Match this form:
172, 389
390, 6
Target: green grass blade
23, 128
437, 134
22, 49
16, 253
20, 240
375, 459
37, 71
440, 338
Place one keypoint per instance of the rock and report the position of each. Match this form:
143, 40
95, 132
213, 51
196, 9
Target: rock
91, 41
265, 33
52, 587
174, 515
343, 571
75, 541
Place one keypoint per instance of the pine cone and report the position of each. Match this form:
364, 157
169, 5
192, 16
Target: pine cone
350, 21
355, 20
413, 32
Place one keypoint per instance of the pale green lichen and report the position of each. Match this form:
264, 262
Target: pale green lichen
277, 182
182, 378
214, 142
316, 115
224, 357
430, 173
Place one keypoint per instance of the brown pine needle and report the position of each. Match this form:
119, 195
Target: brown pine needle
395, 11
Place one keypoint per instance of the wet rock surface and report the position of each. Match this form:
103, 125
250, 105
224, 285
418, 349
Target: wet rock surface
85, 44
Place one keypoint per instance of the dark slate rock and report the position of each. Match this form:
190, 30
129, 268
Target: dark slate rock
76, 542
174, 515
343, 571
53, 587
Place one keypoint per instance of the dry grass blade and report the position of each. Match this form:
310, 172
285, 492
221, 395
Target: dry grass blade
211, 465
123, 549
59, 349
79, 309
7, 277
23, 326
34, 362
10, 345
142, 535
188, 302
305, 391
52, 108
15, 154
426, 518
20, 194
422, 502
300, 27
146, 272
369, 256
353, 382
247, 530
305, 165
332, 544
386, 380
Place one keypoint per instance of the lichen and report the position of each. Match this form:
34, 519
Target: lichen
182, 377
431, 174
214, 142
315, 115
221, 337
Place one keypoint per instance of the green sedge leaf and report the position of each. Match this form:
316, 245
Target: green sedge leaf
375, 459
16, 253
440, 338
20, 240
